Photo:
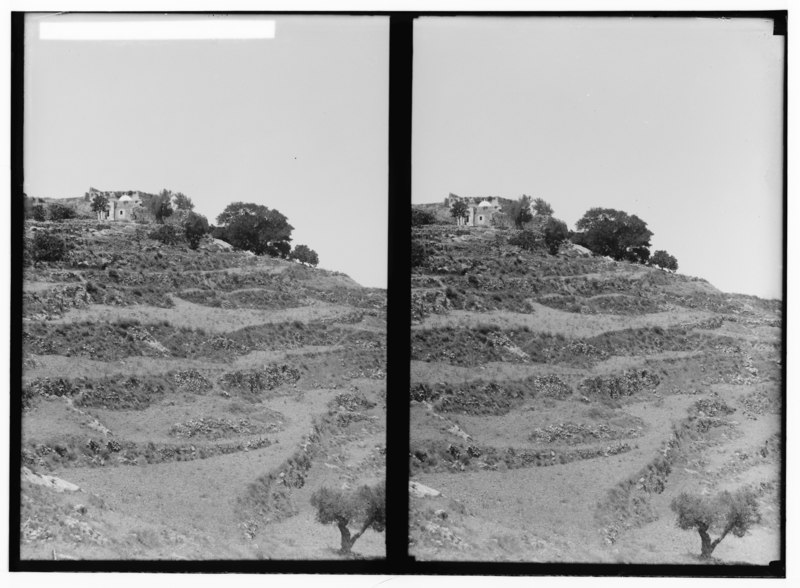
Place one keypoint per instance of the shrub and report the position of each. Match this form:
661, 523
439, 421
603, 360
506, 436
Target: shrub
419, 254
725, 512
663, 260
527, 240
365, 507
421, 217
555, 233
166, 234
304, 254
38, 212
58, 212
48, 247
518, 211
194, 227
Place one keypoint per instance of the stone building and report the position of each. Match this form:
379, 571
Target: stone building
480, 208
122, 205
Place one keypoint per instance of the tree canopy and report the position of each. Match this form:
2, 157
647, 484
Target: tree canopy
304, 254
555, 233
194, 227
160, 205
614, 233
99, 202
542, 208
181, 201
459, 210
256, 228
725, 512
664, 260
364, 507
518, 211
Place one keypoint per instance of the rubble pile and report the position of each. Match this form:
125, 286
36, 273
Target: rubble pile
214, 428
628, 384
575, 433
252, 383
129, 394
191, 381
427, 302
712, 406
551, 387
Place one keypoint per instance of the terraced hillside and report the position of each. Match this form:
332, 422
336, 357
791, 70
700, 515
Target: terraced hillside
559, 404
191, 401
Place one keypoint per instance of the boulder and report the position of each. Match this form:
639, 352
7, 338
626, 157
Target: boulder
418, 490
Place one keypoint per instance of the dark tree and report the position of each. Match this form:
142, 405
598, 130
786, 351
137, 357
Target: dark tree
166, 234
365, 508
38, 212
542, 208
194, 227
664, 260
519, 211
182, 202
304, 254
160, 205
528, 240
725, 513
459, 210
419, 254
47, 247
58, 211
235, 209
614, 233
256, 228
421, 217
555, 233
99, 203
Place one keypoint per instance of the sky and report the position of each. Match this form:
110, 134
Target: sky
678, 121
298, 123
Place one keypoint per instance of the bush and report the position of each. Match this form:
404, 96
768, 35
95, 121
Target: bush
58, 212
48, 247
527, 240
365, 507
305, 254
194, 227
37, 212
664, 260
421, 217
166, 234
555, 233
419, 254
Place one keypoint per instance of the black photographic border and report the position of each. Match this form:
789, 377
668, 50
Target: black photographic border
397, 559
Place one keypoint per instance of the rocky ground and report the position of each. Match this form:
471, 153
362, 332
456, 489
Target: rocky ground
559, 404
185, 404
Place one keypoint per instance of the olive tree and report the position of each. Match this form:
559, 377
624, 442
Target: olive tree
363, 508
724, 513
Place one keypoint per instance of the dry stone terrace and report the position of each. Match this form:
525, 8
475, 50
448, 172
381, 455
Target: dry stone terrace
559, 402
196, 398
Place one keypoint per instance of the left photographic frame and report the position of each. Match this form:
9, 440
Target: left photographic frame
203, 330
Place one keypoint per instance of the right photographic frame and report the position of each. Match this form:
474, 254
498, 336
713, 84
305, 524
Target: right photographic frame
597, 290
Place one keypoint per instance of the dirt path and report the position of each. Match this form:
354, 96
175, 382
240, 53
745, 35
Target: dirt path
216, 320
60, 366
546, 319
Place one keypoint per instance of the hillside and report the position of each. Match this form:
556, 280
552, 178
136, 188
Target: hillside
195, 398
560, 403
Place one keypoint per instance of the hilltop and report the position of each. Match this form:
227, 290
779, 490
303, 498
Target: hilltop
191, 401
560, 402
